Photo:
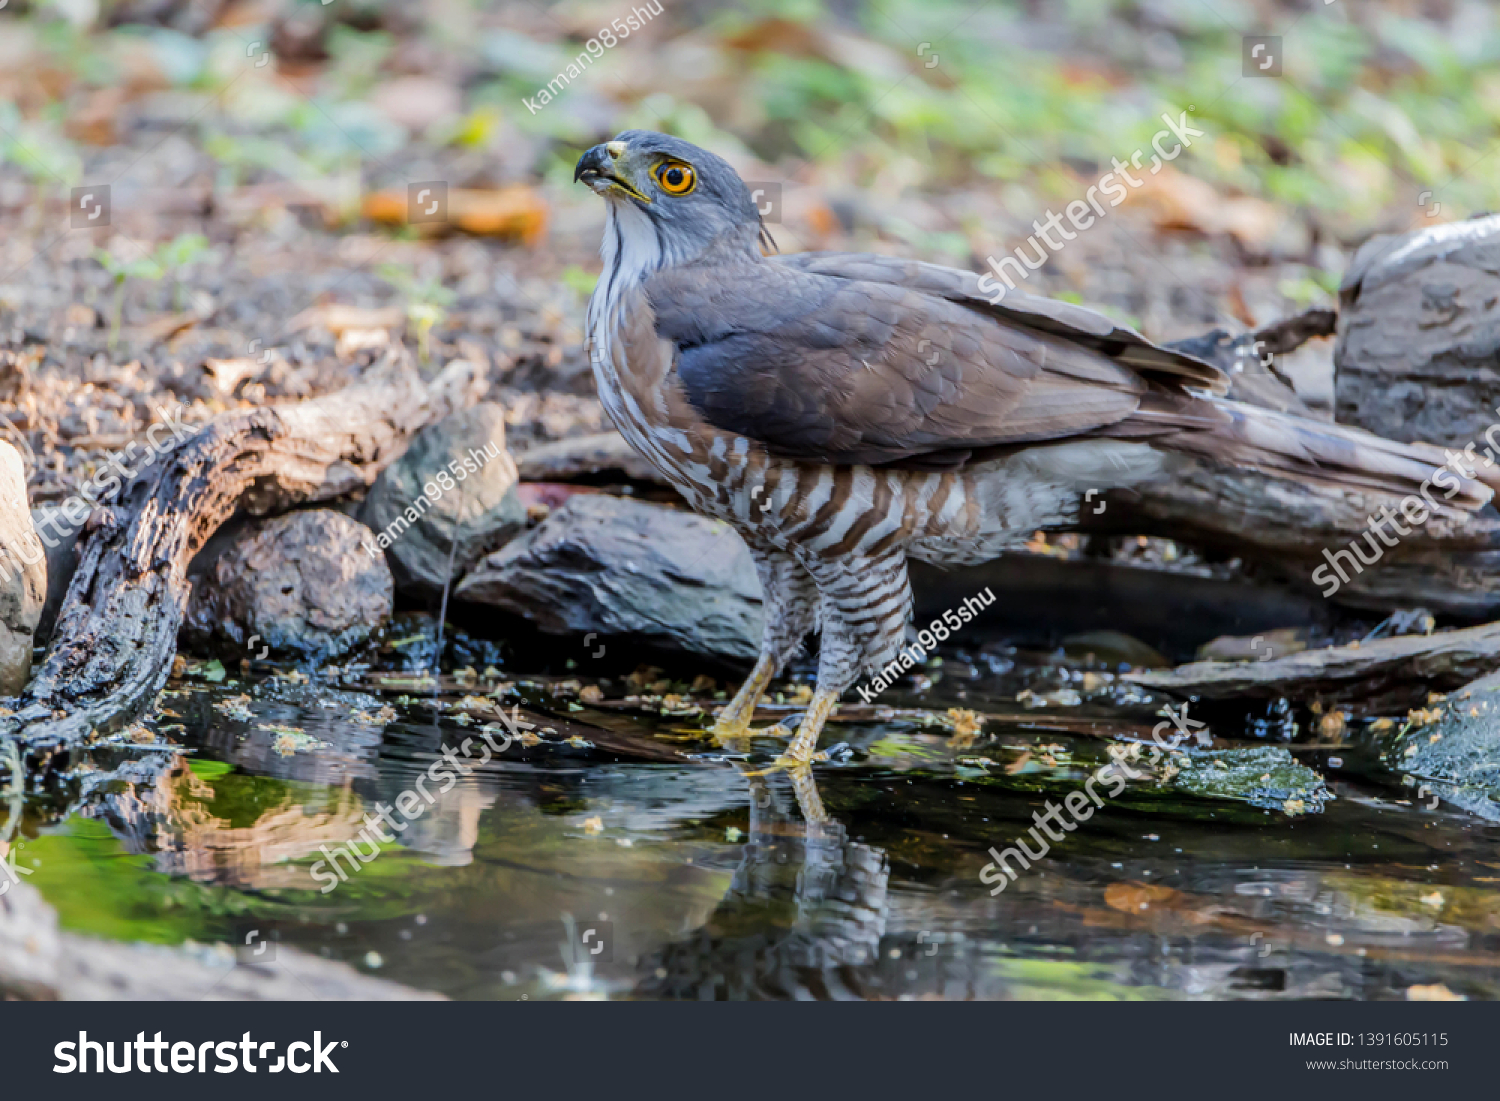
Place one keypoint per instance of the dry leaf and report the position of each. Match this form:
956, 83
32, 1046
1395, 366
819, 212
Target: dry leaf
514, 213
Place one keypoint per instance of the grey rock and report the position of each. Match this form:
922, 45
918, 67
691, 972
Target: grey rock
564, 460
40, 961
1451, 751
23, 575
1418, 353
304, 583
1266, 776
419, 501
621, 567
62, 562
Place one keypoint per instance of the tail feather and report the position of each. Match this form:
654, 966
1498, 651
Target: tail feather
1330, 454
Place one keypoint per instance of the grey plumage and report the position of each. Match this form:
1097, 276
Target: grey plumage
846, 412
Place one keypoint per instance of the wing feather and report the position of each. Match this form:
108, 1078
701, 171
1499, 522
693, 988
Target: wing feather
817, 361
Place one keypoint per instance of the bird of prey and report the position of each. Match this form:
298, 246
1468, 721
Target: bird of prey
846, 412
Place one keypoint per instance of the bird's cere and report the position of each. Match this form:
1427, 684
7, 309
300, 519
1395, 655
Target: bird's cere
608, 36
1179, 132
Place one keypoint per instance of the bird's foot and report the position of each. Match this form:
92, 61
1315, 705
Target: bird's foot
796, 765
798, 758
726, 733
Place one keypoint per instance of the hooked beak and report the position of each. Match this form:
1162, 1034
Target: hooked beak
603, 170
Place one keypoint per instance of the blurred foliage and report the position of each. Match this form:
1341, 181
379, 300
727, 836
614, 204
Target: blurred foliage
1375, 107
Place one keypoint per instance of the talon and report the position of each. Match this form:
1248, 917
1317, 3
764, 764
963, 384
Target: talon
791, 760
728, 732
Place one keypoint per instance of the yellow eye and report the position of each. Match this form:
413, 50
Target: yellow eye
675, 177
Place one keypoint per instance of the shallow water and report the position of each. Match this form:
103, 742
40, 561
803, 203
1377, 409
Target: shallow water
639, 860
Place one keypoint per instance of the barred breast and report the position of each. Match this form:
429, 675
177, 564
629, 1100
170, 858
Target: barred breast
832, 512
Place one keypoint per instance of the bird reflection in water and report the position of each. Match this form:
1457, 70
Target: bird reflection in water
804, 917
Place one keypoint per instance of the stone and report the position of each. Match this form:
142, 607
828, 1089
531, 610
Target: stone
1449, 750
23, 575
455, 477
40, 961
582, 456
301, 584
1419, 335
613, 566
62, 561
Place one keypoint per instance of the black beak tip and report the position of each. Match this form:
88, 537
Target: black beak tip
590, 163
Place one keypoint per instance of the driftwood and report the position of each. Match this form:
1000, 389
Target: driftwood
116, 634
1247, 358
1380, 674
1449, 565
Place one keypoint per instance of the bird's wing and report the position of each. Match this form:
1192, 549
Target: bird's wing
847, 370
1046, 315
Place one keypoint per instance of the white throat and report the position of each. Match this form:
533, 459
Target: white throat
631, 248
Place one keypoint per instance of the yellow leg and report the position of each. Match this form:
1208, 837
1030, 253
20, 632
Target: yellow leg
734, 721
800, 755
800, 752
808, 799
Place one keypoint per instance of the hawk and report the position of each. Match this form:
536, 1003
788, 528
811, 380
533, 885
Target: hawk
846, 412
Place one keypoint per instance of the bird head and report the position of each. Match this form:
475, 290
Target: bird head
691, 196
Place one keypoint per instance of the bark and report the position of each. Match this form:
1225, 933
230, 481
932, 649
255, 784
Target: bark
1373, 676
116, 634
1282, 528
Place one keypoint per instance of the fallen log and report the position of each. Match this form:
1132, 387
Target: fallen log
1374, 676
1447, 565
116, 633
1450, 564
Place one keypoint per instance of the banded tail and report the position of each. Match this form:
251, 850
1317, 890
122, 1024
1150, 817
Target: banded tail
1295, 447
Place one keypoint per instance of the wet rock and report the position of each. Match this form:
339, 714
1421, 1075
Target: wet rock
621, 567
61, 544
1419, 334
40, 961
23, 575
1263, 776
409, 643
1262, 647
455, 477
1371, 675
301, 584
1450, 750
1114, 648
